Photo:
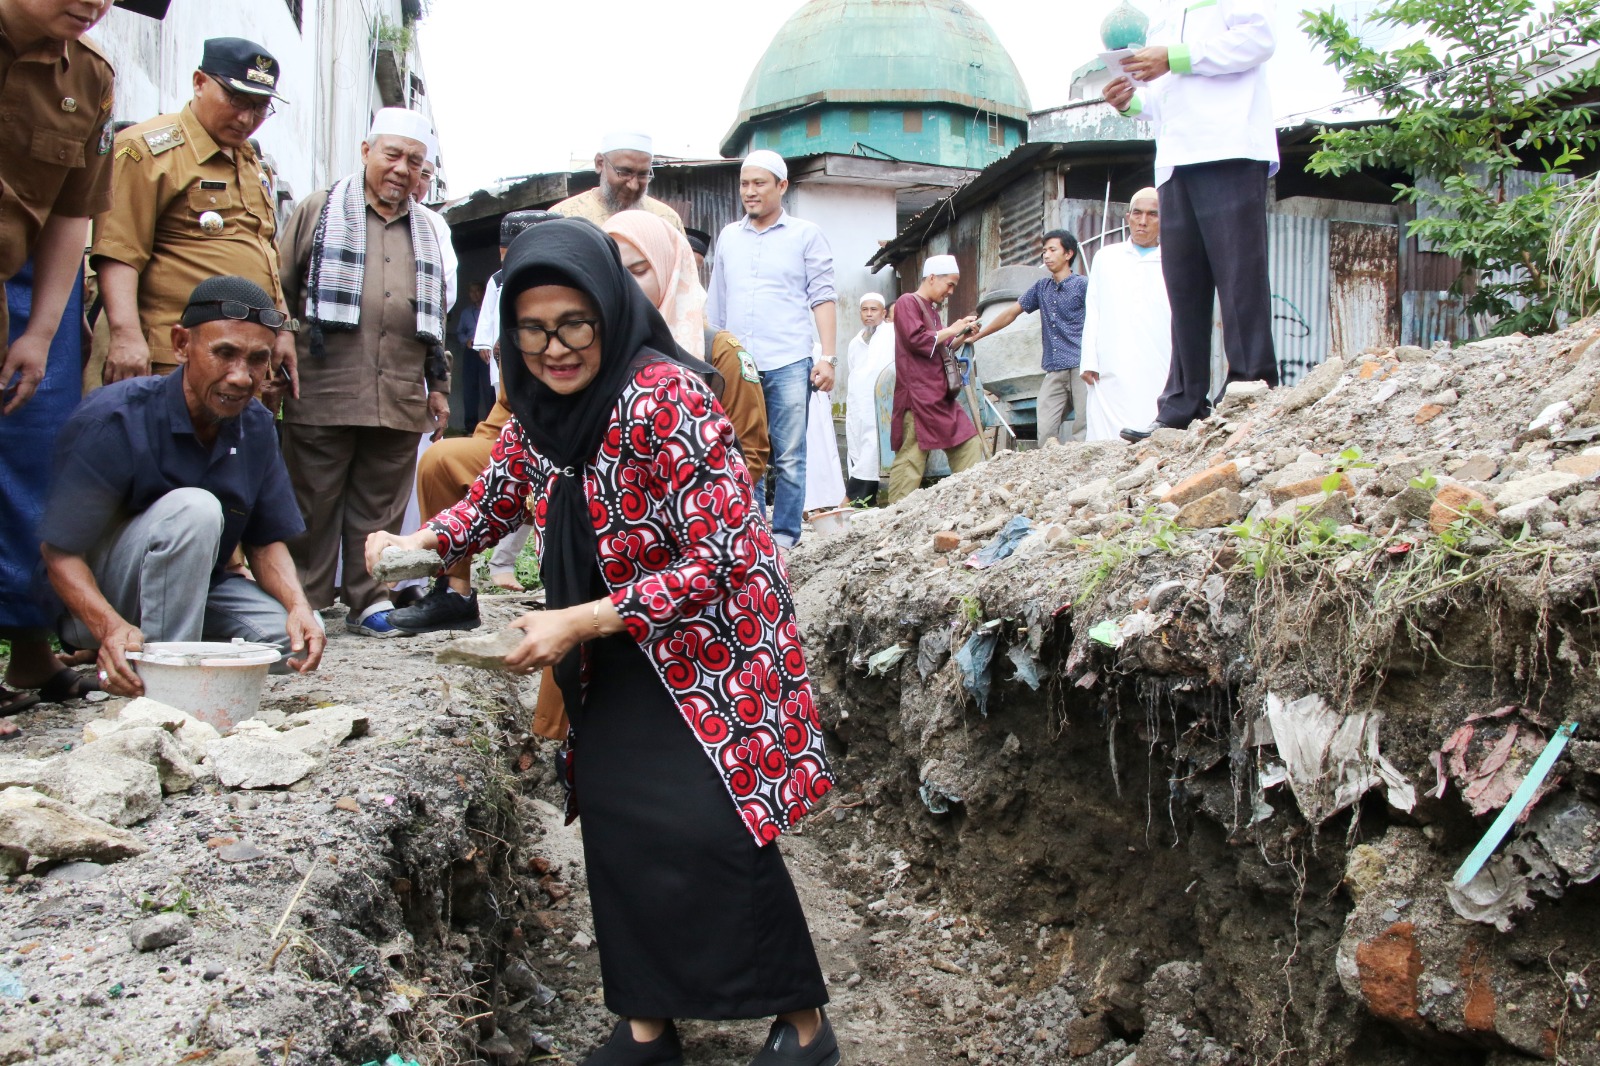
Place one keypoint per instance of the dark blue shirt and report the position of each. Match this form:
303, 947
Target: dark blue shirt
131, 443
1062, 325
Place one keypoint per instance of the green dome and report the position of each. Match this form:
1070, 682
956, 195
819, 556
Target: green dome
858, 52
1125, 27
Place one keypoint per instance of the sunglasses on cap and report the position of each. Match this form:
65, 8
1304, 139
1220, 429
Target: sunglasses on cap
242, 312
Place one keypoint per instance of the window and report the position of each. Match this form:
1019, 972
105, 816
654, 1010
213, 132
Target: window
958, 125
859, 121
997, 133
296, 11
912, 121
814, 126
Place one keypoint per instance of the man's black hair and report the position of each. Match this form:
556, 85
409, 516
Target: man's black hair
1069, 243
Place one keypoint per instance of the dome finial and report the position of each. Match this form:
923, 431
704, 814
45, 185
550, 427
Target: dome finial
1125, 27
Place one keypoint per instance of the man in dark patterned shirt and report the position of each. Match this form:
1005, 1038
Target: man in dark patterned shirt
1061, 299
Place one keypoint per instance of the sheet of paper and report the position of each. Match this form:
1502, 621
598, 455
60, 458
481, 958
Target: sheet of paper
1113, 60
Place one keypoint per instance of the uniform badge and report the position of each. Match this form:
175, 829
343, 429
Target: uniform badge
131, 152
747, 367
164, 139
262, 72
107, 138
211, 222
68, 104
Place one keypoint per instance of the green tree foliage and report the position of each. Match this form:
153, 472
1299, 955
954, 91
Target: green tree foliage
1475, 95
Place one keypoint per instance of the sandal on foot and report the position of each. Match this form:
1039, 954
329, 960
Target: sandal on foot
15, 702
67, 684
783, 1047
623, 1050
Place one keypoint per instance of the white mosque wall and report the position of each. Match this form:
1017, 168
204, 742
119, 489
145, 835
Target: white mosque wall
327, 73
855, 219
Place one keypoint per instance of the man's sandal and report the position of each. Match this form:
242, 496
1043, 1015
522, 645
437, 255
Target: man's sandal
67, 684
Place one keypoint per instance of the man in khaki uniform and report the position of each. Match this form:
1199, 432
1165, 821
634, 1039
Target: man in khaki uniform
624, 164
191, 201
363, 268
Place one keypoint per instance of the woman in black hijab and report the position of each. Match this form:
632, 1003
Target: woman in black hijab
695, 735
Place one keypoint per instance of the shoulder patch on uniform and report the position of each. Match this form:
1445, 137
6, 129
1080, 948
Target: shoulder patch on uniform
747, 367
107, 138
131, 151
164, 139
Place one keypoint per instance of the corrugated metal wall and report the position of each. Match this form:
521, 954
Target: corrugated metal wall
706, 197
1021, 209
1297, 265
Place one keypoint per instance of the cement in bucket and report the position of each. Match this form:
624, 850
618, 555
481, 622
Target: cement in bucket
216, 682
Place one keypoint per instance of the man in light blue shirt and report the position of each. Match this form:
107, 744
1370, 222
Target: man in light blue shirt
772, 287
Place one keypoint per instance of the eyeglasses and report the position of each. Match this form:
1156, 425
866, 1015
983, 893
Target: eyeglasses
576, 336
630, 174
242, 312
246, 101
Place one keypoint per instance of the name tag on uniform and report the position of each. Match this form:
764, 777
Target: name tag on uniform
213, 185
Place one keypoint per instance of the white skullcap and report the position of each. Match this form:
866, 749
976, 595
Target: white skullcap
767, 159
873, 298
626, 141
403, 122
940, 264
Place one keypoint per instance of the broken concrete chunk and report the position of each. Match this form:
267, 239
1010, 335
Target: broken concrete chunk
487, 652
255, 761
1090, 492
1314, 386
1532, 513
317, 732
1583, 466
162, 931
402, 564
104, 785
1211, 510
191, 733
1552, 483
154, 747
1335, 505
40, 828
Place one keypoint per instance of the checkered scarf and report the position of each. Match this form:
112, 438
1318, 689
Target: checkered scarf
339, 259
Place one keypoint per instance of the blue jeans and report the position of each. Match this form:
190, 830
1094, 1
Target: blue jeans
788, 394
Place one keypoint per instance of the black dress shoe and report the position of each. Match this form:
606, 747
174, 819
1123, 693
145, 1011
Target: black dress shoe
439, 610
783, 1047
1134, 436
623, 1050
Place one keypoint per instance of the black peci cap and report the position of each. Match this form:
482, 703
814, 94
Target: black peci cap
514, 222
205, 300
241, 65
699, 240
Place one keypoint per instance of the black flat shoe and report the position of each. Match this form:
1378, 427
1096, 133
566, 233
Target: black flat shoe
1134, 436
783, 1047
623, 1050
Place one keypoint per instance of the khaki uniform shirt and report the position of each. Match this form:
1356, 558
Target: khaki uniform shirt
743, 401
589, 205
372, 375
55, 143
169, 174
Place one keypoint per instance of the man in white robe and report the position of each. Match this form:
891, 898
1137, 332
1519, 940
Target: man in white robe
871, 352
1127, 327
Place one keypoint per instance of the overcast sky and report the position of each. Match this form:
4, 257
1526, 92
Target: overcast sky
523, 86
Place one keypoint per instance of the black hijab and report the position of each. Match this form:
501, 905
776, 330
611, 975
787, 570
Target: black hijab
567, 430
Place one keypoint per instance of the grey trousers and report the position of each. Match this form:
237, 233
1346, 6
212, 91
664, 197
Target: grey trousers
155, 570
1063, 393
504, 559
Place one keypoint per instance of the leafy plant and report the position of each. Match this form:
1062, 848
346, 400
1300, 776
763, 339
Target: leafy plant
971, 608
1475, 96
1427, 481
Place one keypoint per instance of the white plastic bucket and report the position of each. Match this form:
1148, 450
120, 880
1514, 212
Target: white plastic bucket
217, 683
837, 520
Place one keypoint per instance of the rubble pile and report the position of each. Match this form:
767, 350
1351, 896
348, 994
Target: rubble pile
1175, 752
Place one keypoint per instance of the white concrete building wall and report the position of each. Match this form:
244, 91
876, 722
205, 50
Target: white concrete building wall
326, 73
855, 218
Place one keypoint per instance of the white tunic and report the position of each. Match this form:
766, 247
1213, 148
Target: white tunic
1127, 339
488, 334
867, 362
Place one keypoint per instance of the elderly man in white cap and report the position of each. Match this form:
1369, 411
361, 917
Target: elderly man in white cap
871, 353
926, 415
363, 267
624, 164
1127, 325
772, 287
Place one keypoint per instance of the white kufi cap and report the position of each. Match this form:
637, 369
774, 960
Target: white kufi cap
873, 298
767, 159
940, 264
403, 122
626, 141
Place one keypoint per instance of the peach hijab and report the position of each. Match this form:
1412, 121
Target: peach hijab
683, 298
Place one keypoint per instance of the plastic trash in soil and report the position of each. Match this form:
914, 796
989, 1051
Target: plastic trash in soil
1332, 760
937, 798
1002, 544
882, 662
974, 658
11, 986
1493, 896
1488, 757
1027, 666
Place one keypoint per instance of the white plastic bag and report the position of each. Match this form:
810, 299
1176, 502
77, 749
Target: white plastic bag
824, 476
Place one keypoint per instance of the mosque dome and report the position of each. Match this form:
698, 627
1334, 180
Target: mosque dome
863, 54
1125, 27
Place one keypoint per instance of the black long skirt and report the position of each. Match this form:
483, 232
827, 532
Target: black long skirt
692, 919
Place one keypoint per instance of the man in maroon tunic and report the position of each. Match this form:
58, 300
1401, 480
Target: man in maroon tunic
926, 417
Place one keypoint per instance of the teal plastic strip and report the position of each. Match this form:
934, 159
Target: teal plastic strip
1519, 802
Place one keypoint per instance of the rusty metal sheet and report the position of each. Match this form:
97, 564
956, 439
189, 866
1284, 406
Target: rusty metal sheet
1364, 294
1297, 268
1429, 317
1021, 207
1093, 225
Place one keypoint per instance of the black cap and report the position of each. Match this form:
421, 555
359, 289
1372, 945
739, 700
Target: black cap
699, 240
156, 9
514, 222
205, 300
241, 65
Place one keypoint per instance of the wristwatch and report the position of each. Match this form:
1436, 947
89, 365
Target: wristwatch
831, 360
291, 326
